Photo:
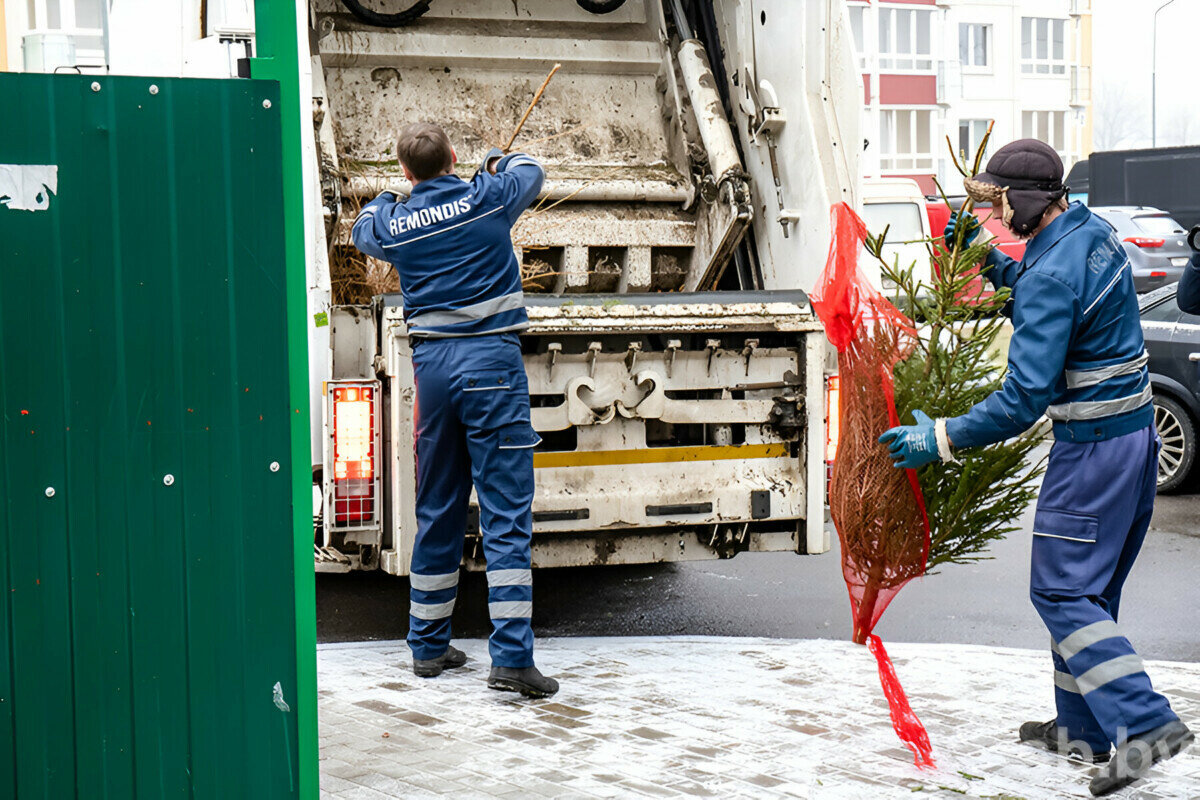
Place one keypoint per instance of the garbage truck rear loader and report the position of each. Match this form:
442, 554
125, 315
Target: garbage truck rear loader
677, 374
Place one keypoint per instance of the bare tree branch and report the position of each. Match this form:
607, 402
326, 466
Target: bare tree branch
1119, 119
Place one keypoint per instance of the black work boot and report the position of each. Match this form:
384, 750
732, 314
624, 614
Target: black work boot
432, 667
526, 680
1050, 736
1135, 757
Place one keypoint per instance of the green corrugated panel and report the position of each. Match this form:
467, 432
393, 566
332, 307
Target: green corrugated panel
142, 320
279, 27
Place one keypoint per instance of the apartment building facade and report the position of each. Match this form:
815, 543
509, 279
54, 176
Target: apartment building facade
947, 68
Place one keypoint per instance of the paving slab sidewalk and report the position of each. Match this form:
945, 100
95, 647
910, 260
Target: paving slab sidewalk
708, 717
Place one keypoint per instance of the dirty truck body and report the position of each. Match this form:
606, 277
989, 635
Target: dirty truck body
677, 373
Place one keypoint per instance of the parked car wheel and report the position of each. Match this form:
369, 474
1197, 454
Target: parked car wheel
1178, 452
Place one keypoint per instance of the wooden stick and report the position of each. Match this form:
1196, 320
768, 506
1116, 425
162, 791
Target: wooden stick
529, 110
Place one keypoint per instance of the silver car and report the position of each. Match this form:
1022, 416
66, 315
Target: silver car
1156, 243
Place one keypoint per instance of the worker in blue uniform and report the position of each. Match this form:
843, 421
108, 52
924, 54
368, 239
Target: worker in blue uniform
1076, 356
1188, 292
450, 243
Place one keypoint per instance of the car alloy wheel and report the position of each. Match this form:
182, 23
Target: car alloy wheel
1178, 443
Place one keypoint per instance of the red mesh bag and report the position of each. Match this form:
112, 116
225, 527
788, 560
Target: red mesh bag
878, 510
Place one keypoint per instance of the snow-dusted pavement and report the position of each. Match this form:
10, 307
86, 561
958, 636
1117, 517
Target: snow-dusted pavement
708, 717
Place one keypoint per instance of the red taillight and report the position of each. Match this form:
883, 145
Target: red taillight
833, 419
353, 443
1145, 241
353, 426
1158, 274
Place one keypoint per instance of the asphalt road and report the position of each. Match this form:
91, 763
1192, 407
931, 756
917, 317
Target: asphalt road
791, 596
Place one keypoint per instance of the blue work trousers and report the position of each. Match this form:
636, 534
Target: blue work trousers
472, 426
1092, 515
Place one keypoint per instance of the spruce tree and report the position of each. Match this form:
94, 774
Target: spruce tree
953, 367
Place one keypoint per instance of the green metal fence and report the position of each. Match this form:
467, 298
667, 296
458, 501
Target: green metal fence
146, 464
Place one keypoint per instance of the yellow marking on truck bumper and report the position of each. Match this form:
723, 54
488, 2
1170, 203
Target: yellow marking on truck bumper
658, 455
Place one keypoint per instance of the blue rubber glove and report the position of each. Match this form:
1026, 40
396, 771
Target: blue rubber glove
912, 446
970, 225
495, 153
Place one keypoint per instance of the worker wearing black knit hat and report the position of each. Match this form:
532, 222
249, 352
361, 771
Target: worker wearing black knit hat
1077, 356
1024, 179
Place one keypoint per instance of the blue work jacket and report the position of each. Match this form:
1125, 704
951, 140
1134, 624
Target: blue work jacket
450, 242
1188, 293
1077, 353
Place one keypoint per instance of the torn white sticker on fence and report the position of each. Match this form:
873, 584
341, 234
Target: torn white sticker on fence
27, 187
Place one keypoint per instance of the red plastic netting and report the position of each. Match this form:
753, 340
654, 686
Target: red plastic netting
877, 509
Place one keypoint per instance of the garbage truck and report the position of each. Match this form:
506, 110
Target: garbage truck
678, 378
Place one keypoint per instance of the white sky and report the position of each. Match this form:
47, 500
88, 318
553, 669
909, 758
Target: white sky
1121, 40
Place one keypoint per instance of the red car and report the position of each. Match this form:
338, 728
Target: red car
1006, 242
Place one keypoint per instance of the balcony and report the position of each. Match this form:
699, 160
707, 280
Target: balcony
1081, 86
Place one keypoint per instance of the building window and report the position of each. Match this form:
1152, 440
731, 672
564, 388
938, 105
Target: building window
970, 136
1043, 46
975, 46
1048, 126
905, 40
906, 140
82, 19
857, 22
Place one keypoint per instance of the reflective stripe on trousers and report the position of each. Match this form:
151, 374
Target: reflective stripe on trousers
432, 611
431, 583
510, 597
428, 595
511, 609
1104, 672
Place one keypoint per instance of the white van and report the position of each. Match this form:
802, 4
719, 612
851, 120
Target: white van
899, 203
